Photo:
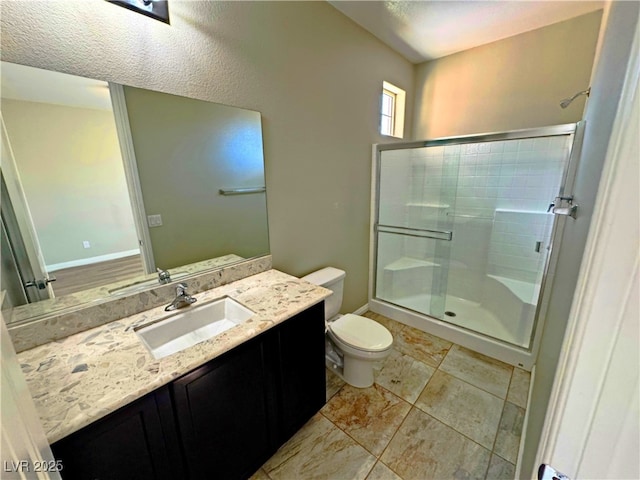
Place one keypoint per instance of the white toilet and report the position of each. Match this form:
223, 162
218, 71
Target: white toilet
354, 343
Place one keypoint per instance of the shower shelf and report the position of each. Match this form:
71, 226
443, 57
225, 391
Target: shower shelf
427, 205
406, 263
461, 215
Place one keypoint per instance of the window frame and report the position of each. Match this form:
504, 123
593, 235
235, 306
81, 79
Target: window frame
396, 117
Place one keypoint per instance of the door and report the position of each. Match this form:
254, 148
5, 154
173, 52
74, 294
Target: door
416, 194
23, 439
129, 443
22, 246
301, 364
592, 425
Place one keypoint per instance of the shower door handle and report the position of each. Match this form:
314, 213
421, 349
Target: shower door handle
415, 232
564, 206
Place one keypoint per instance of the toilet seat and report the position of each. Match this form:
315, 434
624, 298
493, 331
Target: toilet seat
361, 333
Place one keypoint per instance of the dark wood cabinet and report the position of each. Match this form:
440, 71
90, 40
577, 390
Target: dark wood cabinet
301, 386
129, 443
222, 414
222, 420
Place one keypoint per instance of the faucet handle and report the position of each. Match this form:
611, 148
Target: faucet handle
163, 276
181, 289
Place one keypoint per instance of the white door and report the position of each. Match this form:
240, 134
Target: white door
21, 229
592, 428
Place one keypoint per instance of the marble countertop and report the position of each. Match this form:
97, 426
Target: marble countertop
105, 293
79, 379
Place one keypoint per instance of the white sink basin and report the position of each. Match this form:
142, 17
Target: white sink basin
192, 325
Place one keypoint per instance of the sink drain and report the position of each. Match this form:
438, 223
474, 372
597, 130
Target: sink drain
449, 313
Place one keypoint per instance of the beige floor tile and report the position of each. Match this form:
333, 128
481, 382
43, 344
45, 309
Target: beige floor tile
391, 325
509, 432
334, 384
320, 450
426, 348
468, 409
500, 469
519, 387
369, 415
404, 375
382, 472
483, 372
424, 448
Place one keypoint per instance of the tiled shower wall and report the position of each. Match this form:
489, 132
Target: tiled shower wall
512, 249
493, 196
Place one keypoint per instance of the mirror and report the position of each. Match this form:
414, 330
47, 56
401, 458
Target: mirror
104, 184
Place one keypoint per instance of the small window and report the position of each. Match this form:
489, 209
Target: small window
392, 110
387, 112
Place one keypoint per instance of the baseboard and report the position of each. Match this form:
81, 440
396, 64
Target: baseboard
362, 309
524, 425
90, 260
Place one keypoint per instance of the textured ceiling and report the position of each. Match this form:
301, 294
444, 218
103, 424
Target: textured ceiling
425, 30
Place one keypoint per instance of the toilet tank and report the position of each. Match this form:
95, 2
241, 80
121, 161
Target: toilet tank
333, 279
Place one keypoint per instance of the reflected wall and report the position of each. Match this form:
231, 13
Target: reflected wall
186, 152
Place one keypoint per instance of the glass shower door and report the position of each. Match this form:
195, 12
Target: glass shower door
463, 227
417, 190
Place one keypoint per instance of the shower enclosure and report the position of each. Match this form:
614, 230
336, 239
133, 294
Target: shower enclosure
463, 230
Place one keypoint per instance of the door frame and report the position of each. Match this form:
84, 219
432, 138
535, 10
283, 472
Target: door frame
591, 428
25, 230
125, 138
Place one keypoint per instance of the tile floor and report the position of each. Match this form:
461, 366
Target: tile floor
436, 411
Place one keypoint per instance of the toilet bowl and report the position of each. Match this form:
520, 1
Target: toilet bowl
354, 344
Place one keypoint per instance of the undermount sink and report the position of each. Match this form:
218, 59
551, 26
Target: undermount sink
135, 286
192, 325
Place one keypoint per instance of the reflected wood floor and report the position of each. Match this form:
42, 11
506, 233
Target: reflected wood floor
76, 279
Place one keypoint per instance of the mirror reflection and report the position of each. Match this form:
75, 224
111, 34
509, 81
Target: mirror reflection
104, 186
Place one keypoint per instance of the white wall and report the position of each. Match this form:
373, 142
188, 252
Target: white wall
71, 170
314, 75
186, 151
509, 84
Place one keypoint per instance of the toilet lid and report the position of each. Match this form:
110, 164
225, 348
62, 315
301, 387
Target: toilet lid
362, 333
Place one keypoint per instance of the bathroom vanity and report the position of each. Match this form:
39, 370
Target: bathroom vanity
218, 409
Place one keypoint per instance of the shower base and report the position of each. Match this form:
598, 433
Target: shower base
468, 315
483, 343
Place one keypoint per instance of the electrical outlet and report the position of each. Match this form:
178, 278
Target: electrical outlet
86, 244
154, 220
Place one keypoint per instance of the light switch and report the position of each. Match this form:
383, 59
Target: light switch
154, 220
86, 244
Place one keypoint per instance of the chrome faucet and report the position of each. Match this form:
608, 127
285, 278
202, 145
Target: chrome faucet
163, 276
183, 299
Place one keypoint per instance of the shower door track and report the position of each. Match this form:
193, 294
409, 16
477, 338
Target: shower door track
565, 129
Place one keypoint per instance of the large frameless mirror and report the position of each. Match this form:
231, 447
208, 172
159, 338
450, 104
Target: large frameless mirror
103, 185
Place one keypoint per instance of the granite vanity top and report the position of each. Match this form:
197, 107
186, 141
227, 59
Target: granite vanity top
79, 379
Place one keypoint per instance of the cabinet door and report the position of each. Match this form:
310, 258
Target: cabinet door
221, 412
302, 389
128, 443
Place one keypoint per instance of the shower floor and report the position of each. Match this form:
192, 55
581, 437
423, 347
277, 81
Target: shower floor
469, 315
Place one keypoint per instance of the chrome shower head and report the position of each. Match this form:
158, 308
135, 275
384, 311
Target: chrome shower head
567, 101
